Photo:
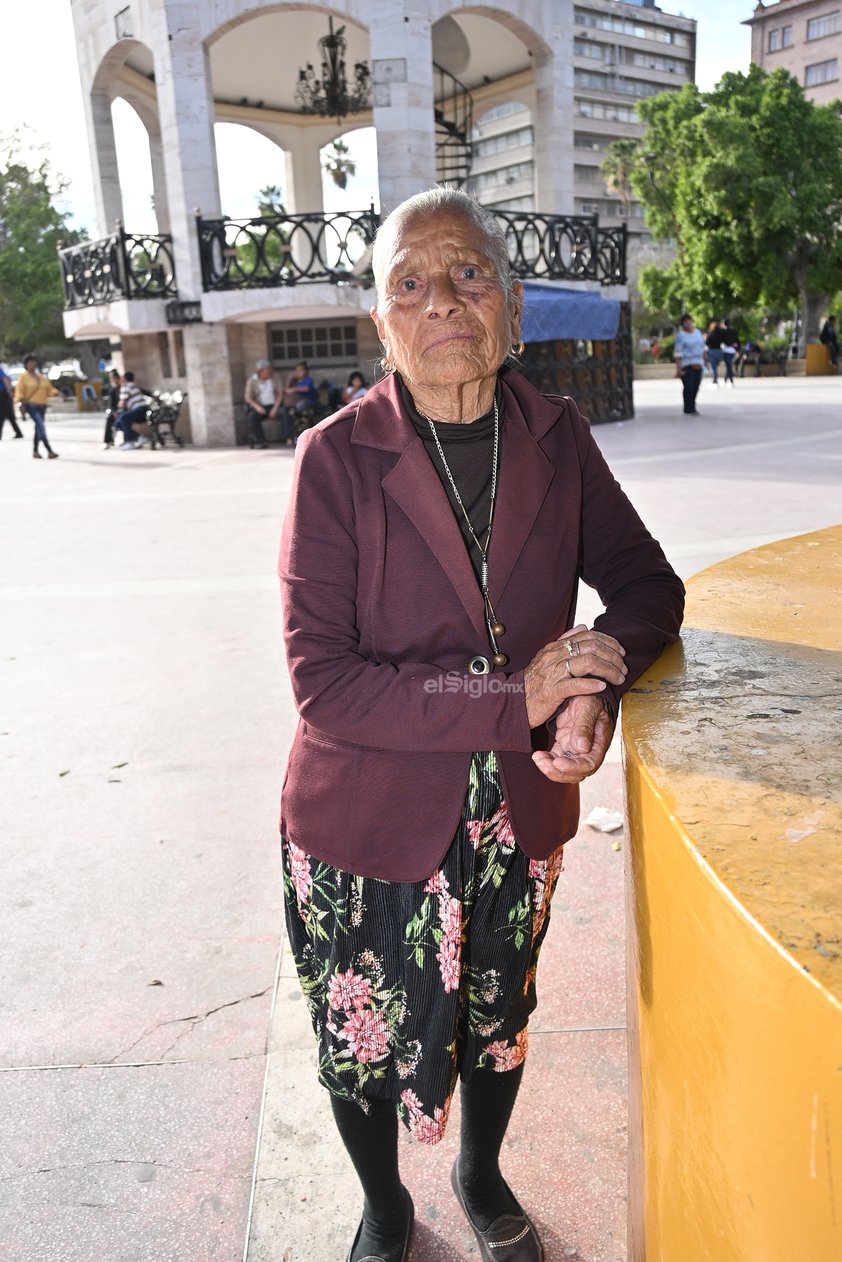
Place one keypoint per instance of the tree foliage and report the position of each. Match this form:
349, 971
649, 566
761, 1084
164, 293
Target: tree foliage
747, 179
31, 228
618, 167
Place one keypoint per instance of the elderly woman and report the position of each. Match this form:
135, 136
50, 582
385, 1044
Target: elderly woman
449, 708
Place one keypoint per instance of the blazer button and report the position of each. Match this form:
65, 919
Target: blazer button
479, 666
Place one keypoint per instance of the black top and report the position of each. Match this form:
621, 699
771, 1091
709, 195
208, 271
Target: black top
470, 451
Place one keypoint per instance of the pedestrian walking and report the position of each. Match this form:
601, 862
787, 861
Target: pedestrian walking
690, 355
730, 344
448, 711
32, 393
113, 407
715, 352
7, 404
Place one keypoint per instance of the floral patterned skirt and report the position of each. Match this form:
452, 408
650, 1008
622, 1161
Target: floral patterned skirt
410, 985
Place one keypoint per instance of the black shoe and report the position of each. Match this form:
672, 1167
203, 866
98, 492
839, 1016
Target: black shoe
373, 1257
510, 1238
264, 446
53, 455
36, 455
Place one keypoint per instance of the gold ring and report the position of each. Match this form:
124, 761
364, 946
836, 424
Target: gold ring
575, 648
569, 671
568, 644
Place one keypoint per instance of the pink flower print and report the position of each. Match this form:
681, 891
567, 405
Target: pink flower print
426, 1129
505, 1057
537, 869
299, 867
367, 1035
413, 1104
449, 954
505, 836
349, 991
437, 883
475, 827
449, 958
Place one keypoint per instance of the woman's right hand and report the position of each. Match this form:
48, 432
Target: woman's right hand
555, 673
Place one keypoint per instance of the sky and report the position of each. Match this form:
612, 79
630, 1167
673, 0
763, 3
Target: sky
49, 107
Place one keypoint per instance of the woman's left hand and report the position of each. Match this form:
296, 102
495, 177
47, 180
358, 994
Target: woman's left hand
583, 733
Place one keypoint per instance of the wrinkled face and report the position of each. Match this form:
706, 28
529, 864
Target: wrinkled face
442, 312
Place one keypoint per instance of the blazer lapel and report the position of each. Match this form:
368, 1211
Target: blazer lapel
525, 477
415, 486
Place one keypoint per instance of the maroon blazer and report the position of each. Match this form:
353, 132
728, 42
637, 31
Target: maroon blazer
382, 612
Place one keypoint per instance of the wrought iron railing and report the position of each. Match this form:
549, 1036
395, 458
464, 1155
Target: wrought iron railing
124, 265
454, 119
273, 250
564, 247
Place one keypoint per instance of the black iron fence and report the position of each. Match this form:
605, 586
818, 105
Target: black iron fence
277, 250
124, 265
564, 247
273, 250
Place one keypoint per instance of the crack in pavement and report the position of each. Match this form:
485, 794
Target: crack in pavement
118, 1161
192, 1021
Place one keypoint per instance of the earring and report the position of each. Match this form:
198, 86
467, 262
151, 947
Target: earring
517, 348
387, 365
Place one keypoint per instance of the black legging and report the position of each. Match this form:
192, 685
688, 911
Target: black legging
372, 1143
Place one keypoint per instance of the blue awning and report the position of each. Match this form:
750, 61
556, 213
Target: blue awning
551, 312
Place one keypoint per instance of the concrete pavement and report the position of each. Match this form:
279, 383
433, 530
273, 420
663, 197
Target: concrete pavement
144, 718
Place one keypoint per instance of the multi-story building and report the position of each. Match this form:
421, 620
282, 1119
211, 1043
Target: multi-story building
623, 51
805, 37
196, 303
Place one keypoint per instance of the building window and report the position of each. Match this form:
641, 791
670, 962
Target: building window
624, 26
320, 344
615, 83
775, 40
821, 72
499, 144
602, 110
502, 111
818, 28
501, 176
786, 37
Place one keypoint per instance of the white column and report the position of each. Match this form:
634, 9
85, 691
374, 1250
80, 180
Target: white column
402, 97
304, 171
554, 114
106, 178
186, 111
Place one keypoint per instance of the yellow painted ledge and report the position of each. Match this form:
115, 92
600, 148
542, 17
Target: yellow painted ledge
733, 761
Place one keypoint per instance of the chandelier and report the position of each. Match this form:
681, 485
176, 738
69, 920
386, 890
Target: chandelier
330, 95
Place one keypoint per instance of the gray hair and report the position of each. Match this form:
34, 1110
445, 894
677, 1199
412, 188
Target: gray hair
261, 364
434, 201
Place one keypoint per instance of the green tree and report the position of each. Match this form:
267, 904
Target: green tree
339, 164
617, 167
747, 179
31, 228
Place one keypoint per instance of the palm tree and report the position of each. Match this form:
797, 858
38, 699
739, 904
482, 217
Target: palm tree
339, 164
620, 160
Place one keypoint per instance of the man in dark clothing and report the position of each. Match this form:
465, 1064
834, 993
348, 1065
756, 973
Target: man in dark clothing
7, 405
829, 336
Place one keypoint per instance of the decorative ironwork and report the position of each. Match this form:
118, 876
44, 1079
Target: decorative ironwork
123, 23
330, 95
454, 118
597, 374
564, 247
184, 313
124, 265
273, 250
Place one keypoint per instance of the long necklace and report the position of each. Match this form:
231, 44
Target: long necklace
495, 628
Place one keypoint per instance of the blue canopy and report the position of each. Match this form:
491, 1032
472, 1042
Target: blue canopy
551, 312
